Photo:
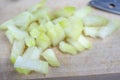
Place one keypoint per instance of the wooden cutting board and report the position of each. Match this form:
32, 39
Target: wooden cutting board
103, 58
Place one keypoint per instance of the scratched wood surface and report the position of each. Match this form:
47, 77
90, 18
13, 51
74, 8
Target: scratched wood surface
103, 58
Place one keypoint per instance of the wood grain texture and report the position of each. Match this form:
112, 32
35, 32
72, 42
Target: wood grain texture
103, 58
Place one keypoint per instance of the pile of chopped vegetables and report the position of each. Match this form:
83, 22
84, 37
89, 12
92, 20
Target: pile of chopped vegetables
36, 31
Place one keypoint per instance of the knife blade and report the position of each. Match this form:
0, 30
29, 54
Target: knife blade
112, 6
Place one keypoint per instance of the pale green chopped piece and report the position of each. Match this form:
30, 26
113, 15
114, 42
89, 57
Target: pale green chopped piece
51, 58
43, 41
111, 27
60, 32
23, 20
34, 32
85, 42
52, 34
95, 21
75, 29
76, 45
83, 12
32, 26
23, 71
7, 24
38, 6
32, 65
10, 36
17, 50
32, 53
30, 41
66, 11
42, 28
67, 48
91, 31
42, 15
63, 22
17, 33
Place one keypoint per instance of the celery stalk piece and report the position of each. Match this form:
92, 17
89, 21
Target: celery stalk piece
23, 20
51, 58
62, 21
42, 28
32, 65
7, 24
76, 45
43, 15
51, 32
91, 31
43, 41
30, 41
32, 53
81, 13
60, 32
95, 21
67, 48
55, 33
32, 26
111, 27
17, 33
40, 12
75, 29
34, 32
22, 71
17, 50
84, 42
10, 36
66, 11
38, 6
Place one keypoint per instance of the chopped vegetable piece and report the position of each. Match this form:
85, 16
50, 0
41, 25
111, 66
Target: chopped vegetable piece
34, 32
10, 36
85, 42
32, 53
67, 48
76, 45
30, 41
42, 28
51, 32
60, 32
43, 41
23, 71
7, 24
17, 50
63, 22
51, 58
95, 21
17, 33
32, 26
83, 12
75, 29
66, 11
38, 6
34, 65
109, 29
91, 31
23, 20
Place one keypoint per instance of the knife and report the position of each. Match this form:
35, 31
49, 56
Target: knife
112, 6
